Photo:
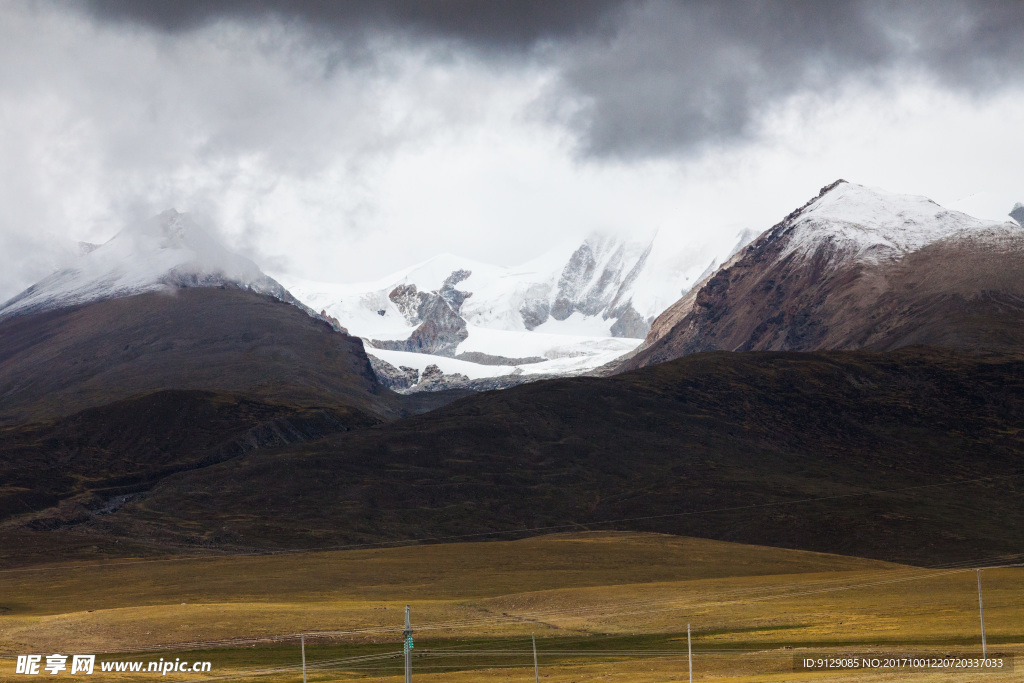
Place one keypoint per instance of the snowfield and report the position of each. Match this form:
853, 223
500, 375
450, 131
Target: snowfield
575, 364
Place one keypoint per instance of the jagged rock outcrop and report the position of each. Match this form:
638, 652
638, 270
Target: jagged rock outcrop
504, 381
1018, 213
406, 380
433, 379
408, 300
455, 297
572, 296
534, 312
441, 329
334, 322
440, 333
396, 379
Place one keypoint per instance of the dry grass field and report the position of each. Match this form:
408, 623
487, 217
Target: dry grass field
604, 606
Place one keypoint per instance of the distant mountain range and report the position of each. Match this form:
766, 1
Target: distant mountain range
479, 325
849, 381
853, 268
483, 326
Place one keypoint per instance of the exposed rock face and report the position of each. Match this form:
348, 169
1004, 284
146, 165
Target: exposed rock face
406, 380
534, 312
334, 322
577, 273
629, 323
408, 301
603, 286
434, 379
455, 297
597, 280
441, 329
503, 381
396, 379
855, 269
1018, 213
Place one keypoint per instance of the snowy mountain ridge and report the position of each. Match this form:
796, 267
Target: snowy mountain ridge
169, 250
567, 311
570, 310
854, 267
866, 224
586, 290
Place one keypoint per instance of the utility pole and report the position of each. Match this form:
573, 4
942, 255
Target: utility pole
303, 640
981, 612
689, 651
407, 634
536, 671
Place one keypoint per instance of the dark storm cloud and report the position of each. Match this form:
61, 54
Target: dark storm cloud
679, 76
662, 77
500, 24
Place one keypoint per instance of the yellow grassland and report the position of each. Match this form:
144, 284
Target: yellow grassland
752, 609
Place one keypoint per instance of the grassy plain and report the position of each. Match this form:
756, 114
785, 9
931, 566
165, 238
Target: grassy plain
609, 606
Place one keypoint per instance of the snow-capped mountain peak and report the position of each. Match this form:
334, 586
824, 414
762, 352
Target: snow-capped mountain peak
854, 268
867, 224
166, 251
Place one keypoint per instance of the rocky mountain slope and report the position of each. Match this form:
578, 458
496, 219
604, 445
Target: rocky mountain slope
912, 455
165, 306
114, 376
61, 361
856, 268
94, 461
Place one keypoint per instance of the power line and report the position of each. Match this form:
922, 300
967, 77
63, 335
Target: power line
631, 608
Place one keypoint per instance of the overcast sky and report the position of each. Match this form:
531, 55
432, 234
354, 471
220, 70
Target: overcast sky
342, 140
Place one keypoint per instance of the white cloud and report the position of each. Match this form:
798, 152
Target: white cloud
345, 169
